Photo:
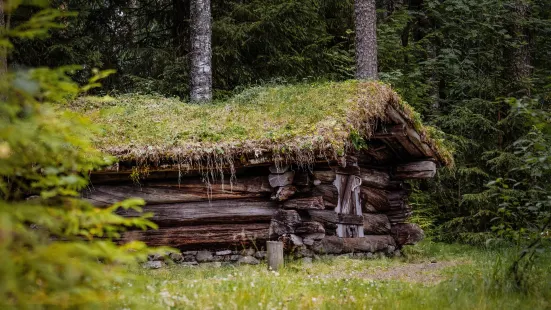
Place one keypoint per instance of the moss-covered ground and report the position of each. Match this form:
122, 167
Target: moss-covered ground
429, 276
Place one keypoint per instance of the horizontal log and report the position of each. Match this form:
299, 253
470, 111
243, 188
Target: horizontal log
325, 176
329, 193
329, 216
350, 170
189, 237
376, 224
416, 170
219, 211
308, 203
374, 178
371, 243
374, 200
310, 227
188, 190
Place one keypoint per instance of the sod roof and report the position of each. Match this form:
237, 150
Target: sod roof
294, 122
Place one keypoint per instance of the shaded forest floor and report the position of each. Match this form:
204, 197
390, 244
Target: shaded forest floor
429, 276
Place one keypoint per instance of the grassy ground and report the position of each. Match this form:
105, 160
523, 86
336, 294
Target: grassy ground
432, 276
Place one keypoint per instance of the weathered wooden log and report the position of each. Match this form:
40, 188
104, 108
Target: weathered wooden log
274, 255
219, 211
187, 190
376, 224
201, 236
329, 193
325, 176
407, 233
284, 193
374, 178
349, 170
329, 216
369, 243
277, 180
416, 170
374, 200
309, 227
308, 203
399, 214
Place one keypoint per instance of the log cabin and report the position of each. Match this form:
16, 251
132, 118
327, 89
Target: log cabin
322, 167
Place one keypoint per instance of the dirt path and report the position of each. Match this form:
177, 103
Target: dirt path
426, 273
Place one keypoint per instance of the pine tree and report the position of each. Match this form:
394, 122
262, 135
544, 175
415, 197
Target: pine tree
201, 51
366, 39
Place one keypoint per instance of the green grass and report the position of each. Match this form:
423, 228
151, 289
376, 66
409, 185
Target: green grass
468, 280
293, 119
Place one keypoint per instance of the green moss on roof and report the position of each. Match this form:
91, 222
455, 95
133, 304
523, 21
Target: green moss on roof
306, 120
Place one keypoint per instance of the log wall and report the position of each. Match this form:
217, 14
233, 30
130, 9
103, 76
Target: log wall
327, 209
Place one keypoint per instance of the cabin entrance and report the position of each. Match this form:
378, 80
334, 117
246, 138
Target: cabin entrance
348, 187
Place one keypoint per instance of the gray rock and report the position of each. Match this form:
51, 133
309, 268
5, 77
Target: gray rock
309, 239
225, 252
248, 252
329, 245
204, 256
390, 249
189, 253
153, 264
176, 257
260, 254
369, 255
307, 261
397, 253
217, 258
296, 240
234, 258
189, 264
248, 260
189, 258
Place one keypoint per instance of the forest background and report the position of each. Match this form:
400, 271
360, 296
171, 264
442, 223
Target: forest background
463, 64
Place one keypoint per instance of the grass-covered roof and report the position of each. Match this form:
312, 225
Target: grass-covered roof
297, 122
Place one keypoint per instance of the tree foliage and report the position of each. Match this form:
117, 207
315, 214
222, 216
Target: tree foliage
56, 250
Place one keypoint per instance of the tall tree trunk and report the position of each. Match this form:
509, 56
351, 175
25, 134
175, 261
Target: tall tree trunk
3, 52
201, 51
366, 39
